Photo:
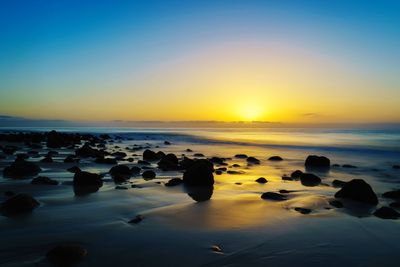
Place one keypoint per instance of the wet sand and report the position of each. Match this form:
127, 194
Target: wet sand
177, 230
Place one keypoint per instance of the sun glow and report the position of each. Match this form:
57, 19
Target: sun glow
251, 112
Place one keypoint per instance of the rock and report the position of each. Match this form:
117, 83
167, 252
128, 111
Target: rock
186, 163
87, 151
395, 194
149, 174
18, 204
303, 210
174, 182
47, 159
44, 181
275, 158
218, 172
396, 167
120, 187
143, 162
359, 190
135, 170
287, 178
83, 178
349, 166
150, 155
261, 180
20, 169
338, 183
137, 219
273, 196
66, 255
189, 150
55, 140
336, 203
234, 172
167, 143
296, 174
168, 162
395, 204
200, 173
200, 193
9, 193
74, 169
103, 160
284, 191
387, 213
253, 160
119, 154
235, 165
217, 160
198, 155
71, 159
309, 179
313, 161
120, 170
216, 248
241, 156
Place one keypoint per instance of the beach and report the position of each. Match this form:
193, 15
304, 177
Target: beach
136, 219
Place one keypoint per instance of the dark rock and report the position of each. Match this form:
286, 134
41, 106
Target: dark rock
359, 190
83, 178
143, 162
395, 194
241, 156
275, 158
218, 172
273, 196
396, 167
349, 166
66, 255
216, 248
253, 160
168, 162
189, 150
223, 169
9, 193
120, 187
74, 169
309, 179
234, 172
236, 165
387, 213
200, 193
336, 203
44, 181
174, 182
198, 155
120, 170
217, 160
287, 178
135, 170
149, 174
137, 219
317, 162
87, 151
119, 154
56, 140
20, 169
303, 210
261, 180
395, 204
103, 160
186, 163
167, 143
284, 191
335, 165
338, 183
18, 204
150, 155
71, 159
200, 173
296, 174
47, 159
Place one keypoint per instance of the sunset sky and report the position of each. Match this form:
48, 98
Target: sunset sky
279, 61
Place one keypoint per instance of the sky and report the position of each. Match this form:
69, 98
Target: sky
278, 61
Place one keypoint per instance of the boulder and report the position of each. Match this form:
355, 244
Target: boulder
394, 194
44, 181
296, 174
174, 182
275, 158
87, 151
200, 173
314, 161
168, 162
241, 156
18, 204
200, 193
309, 179
273, 196
359, 190
303, 210
150, 155
336, 203
186, 163
149, 174
123, 170
199, 155
66, 255
253, 160
338, 183
261, 180
83, 178
387, 213
20, 169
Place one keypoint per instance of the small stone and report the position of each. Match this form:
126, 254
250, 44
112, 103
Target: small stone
137, 219
261, 180
303, 210
273, 196
387, 213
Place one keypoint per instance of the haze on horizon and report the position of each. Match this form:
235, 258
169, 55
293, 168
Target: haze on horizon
277, 61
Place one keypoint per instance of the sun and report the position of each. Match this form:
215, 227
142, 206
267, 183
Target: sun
251, 112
